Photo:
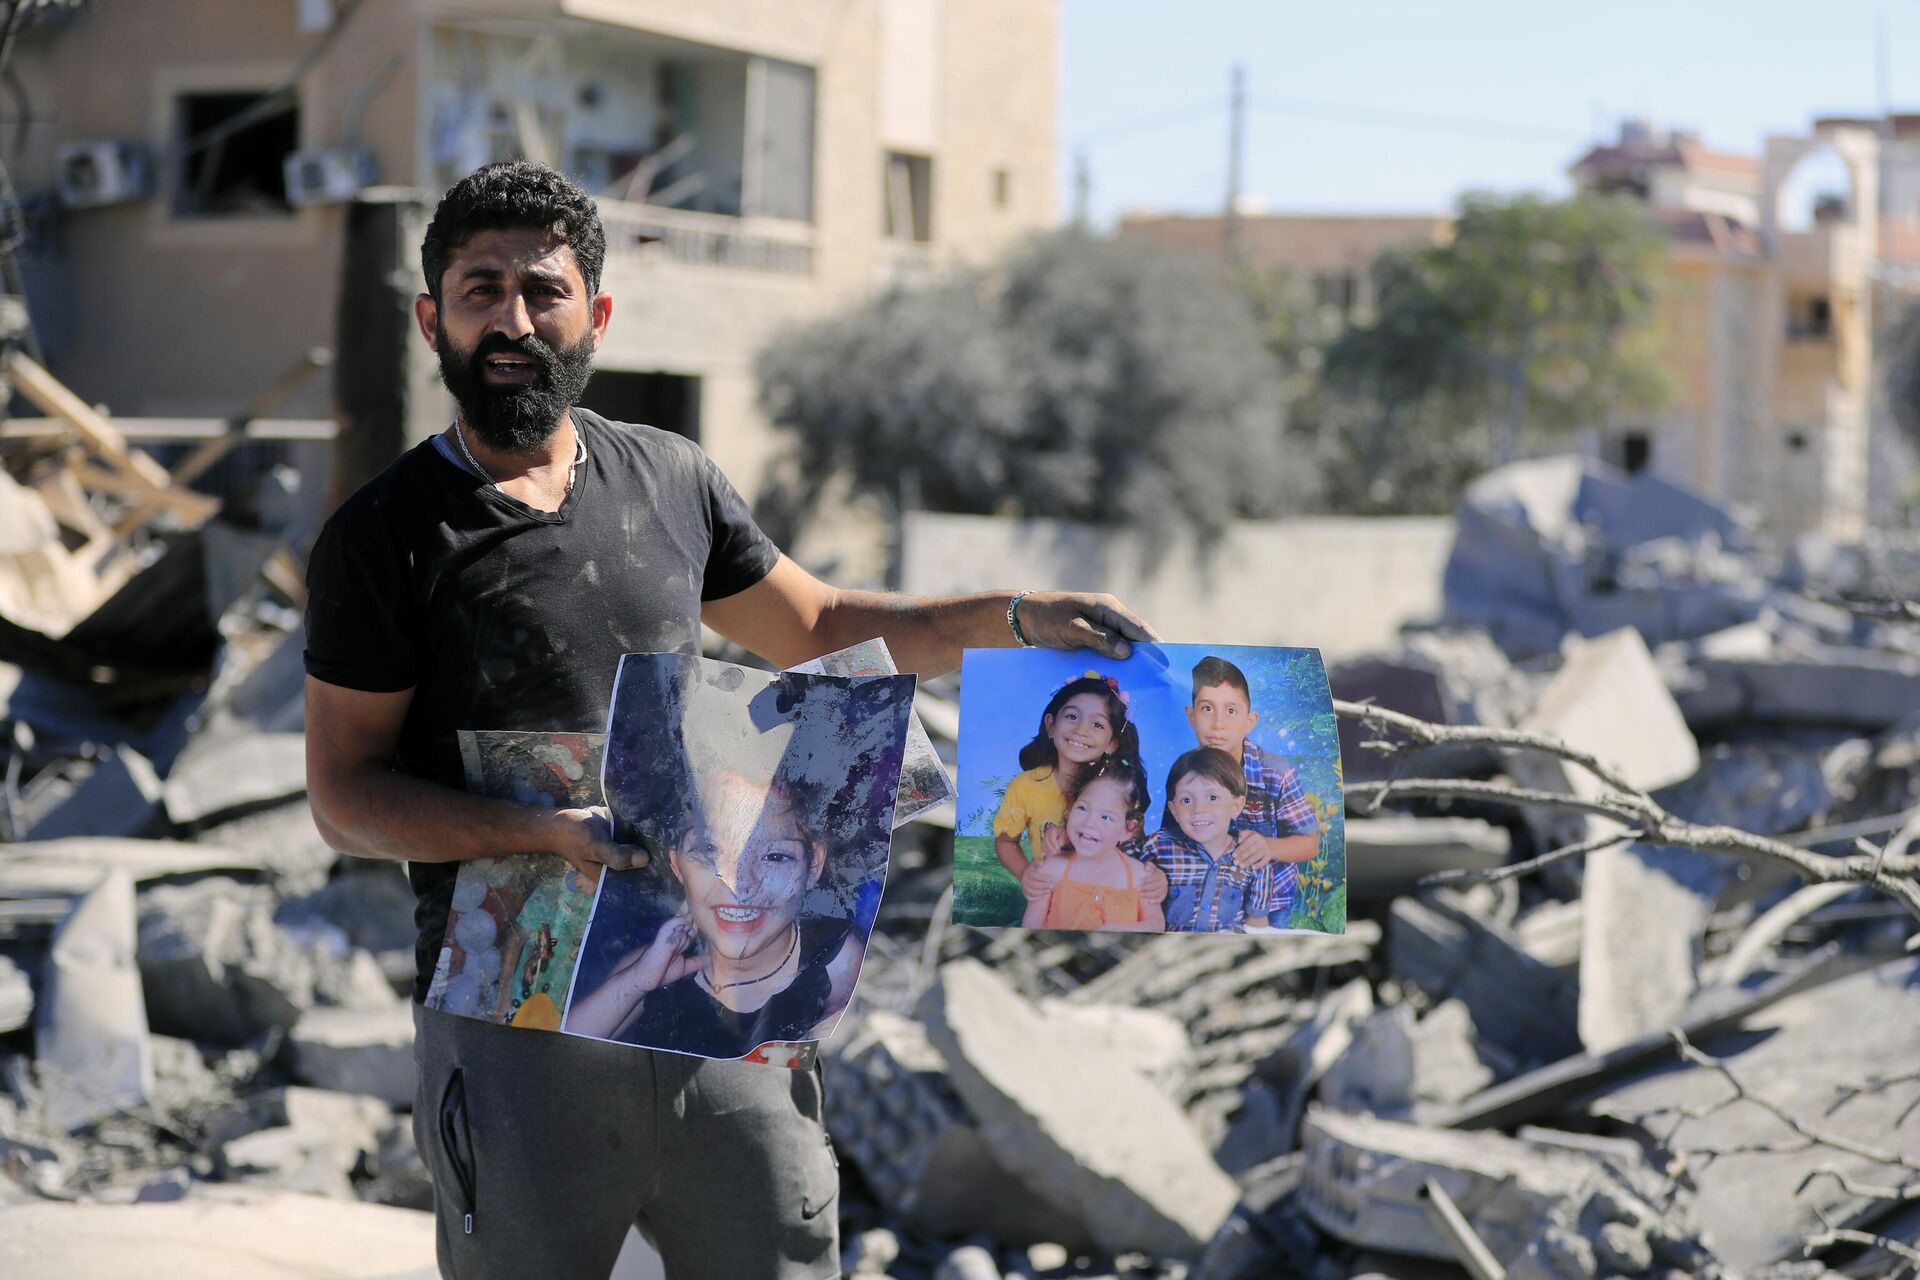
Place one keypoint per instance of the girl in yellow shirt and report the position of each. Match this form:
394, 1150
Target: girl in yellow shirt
1085, 720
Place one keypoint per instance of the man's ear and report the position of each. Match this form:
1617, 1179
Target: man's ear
426, 314
600, 309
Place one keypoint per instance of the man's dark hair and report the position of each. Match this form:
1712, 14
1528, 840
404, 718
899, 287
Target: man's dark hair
511, 195
1211, 671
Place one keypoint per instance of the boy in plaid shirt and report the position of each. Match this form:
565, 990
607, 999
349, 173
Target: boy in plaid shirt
1278, 824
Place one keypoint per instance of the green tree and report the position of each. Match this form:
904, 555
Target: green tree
1093, 380
1534, 321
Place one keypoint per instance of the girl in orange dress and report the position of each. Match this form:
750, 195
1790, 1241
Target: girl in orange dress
1095, 884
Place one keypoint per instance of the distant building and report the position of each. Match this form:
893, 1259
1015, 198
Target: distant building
1329, 254
1770, 316
792, 156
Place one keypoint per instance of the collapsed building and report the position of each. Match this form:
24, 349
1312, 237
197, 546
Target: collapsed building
1654, 1014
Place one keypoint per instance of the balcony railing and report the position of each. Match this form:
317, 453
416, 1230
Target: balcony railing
767, 245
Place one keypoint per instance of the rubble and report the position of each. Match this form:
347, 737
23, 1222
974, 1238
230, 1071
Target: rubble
215, 965
1295, 1106
356, 1051
93, 1054
1088, 1132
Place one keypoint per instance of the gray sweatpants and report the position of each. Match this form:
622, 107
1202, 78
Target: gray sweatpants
545, 1147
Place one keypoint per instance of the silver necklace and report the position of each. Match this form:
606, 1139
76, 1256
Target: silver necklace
579, 456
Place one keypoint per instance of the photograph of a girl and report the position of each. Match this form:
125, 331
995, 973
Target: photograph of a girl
768, 814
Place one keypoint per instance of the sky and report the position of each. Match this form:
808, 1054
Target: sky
1509, 91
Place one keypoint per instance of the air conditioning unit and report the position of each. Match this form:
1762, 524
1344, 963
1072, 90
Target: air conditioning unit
328, 177
100, 173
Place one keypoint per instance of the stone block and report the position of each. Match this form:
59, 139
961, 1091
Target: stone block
1644, 911
356, 1051
92, 1038
1089, 1132
121, 797
215, 966
1397, 1062
232, 774
1387, 856
1525, 1007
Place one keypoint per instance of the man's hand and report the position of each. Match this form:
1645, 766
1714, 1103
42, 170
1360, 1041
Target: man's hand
584, 837
1253, 850
1075, 620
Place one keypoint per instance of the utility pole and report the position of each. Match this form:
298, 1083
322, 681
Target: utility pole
1236, 148
1082, 188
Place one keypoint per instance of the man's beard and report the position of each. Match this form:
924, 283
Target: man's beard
515, 419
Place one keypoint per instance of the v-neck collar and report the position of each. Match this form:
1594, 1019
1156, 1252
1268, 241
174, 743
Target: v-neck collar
489, 490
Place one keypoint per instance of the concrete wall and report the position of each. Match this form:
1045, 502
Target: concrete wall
1341, 585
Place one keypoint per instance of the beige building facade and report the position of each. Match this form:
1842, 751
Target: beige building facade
790, 156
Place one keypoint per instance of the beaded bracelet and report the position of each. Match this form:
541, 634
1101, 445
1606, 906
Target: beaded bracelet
1013, 619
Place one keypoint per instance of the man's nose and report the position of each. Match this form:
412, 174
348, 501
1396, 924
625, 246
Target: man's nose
514, 321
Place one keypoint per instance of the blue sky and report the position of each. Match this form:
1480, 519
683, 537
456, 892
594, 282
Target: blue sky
1523, 85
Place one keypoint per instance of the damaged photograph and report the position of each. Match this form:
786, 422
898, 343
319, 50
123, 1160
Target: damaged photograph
1187, 789
765, 802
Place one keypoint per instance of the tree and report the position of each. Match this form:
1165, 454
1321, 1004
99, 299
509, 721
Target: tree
1110, 382
1534, 321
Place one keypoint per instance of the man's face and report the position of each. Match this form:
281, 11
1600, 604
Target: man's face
746, 866
516, 332
1221, 718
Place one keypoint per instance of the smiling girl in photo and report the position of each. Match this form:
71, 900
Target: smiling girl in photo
1085, 721
1094, 884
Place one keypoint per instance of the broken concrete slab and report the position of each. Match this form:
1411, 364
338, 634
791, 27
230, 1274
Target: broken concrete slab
16, 997
1455, 676
235, 774
1550, 933
121, 797
1396, 1062
1840, 1059
1518, 1003
91, 1040
219, 1234
1387, 856
1365, 1178
288, 845
1045, 1101
356, 1051
310, 1140
215, 966
1644, 910
1862, 690
72, 866
1766, 787
370, 902
1297, 1066
1607, 700
1150, 1042
892, 1111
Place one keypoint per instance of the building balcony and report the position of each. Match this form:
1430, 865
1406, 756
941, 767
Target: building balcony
768, 246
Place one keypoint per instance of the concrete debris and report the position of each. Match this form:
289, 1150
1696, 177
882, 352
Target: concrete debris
16, 997
1046, 1099
1565, 545
356, 1051
121, 797
1365, 1178
1839, 1058
1153, 1044
1520, 1004
216, 967
1645, 909
71, 867
242, 772
94, 1057
1607, 701
1387, 856
298, 1139
1309, 1052
286, 842
1857, 689
968, 1262
1397, 1062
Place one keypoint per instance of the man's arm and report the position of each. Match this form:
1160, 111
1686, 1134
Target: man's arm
790, 616
363, 807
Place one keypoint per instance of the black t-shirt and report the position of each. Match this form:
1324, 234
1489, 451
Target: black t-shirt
499, 616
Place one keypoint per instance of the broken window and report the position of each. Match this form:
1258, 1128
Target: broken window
909, 197
235, 151
1636, 451
1809, 317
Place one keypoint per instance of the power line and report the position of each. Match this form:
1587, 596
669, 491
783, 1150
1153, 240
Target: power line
1420, 122
1148, 124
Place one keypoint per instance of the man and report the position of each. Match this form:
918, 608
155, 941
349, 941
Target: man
490, 579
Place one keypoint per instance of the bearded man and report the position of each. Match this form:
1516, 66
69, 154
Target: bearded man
491, 578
